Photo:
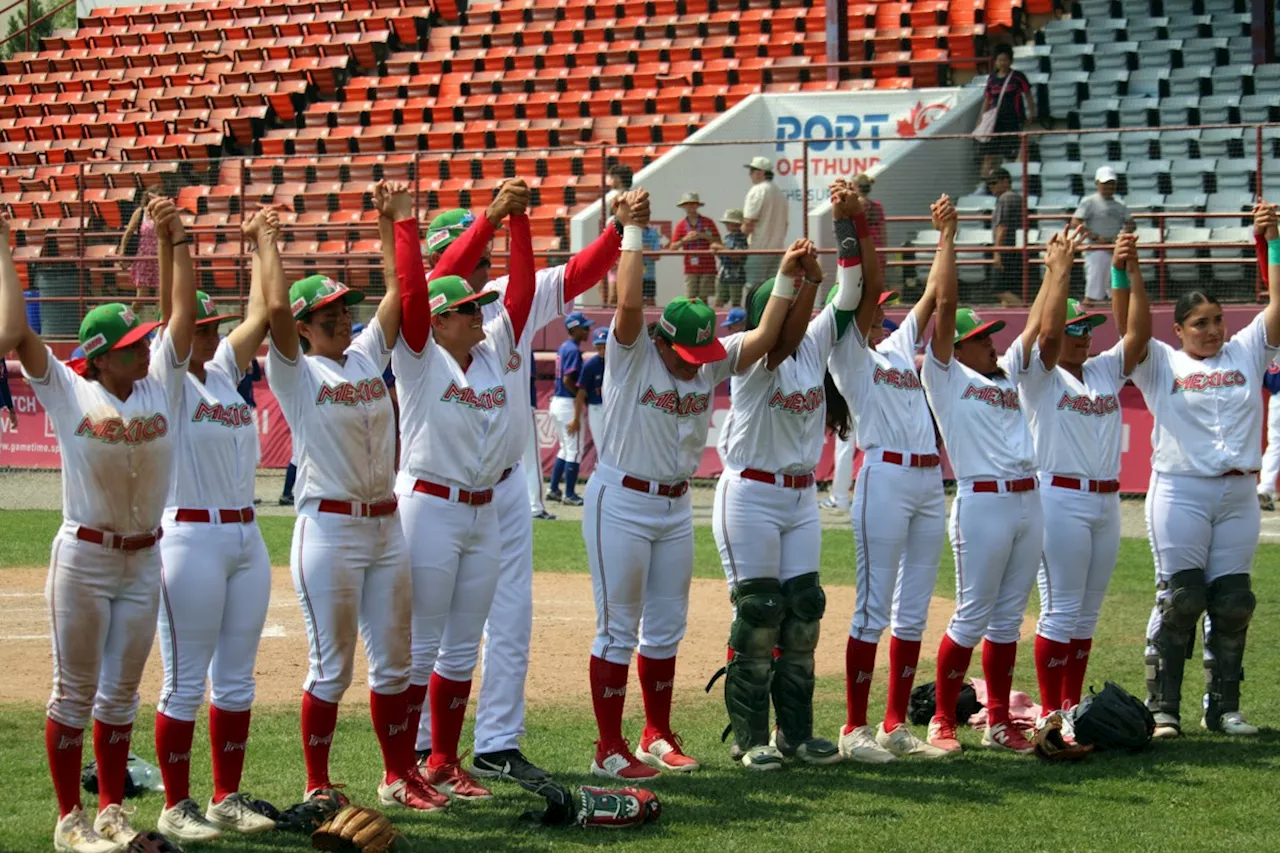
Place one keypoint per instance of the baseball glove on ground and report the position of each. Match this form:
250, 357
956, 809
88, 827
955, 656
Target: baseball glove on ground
356, 828
1051, 746
309, 816
151, 842
89, 779
601, 808
1113, 719
924, 700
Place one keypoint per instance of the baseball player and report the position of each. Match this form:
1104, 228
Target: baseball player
568, 366
112, 420
765, 516
1202, 512
500, 710
589, 402
996, 526
349, 561
1267, 489
531, 462
898, 517
1073, 411
638, 521
216, 578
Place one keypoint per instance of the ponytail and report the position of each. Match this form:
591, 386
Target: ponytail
839, 418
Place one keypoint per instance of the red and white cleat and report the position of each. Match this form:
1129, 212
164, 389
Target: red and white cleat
615, 761
456, 782
942, 734
1005, 736
666, 752
412, 792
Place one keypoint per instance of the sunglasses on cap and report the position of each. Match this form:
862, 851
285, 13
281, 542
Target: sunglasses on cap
466, 308
1080, 330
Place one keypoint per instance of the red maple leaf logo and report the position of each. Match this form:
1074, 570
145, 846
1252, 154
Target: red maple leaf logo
919, 118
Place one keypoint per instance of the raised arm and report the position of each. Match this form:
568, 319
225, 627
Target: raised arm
462, 255
1053, 300
758, 342
628, 317
284, 328
1129, 296
944, 266
858, 265
410, 276
1272, 312
796, 324
182, 316
13, 309
392, 308
518, 297
249, 334
586, 269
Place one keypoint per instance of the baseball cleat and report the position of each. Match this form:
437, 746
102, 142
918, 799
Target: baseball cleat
184, 822
451, 779
543, 515
942, 735
554, 496
761, 759
665, 752
286, 500
235, 814
75, 834
1231, 723
903, 743
113, 823
1008, 737
412, 792
615, 761
859, 744
572, 500
1266, 503
833, 504
1168, 727
509, 764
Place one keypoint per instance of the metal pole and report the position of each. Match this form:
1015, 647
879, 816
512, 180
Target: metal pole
1025, 256
240, 266
804, 187
604, 185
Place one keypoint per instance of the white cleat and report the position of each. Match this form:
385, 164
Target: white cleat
75, 834
1167, 727
113, 823
234, 814
761, 759
185, 823
860, 745
1232, 723
902, 743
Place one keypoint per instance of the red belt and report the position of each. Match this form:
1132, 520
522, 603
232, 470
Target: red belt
666, 490
437, 490
787, 481
1026, 484
358, 509
225, 516
116, 542
911, 460
1102, 487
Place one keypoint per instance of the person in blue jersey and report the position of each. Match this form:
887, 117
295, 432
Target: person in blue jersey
568, 368
1271, 459
590, 384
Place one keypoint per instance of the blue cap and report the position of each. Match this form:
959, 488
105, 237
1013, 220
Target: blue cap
889, 325
736, 315
577, 320
357, 329
600, 337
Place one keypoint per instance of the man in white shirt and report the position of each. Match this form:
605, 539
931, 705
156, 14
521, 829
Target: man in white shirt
765, 214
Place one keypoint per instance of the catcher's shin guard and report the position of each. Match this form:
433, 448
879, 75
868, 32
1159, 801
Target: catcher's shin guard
1168, 650
793, 667
752, 638
1230, 604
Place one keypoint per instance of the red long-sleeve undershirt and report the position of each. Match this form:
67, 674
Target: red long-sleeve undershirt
415, 299
1264, 261
518, 298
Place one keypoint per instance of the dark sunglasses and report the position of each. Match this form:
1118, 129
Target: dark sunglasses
466, 308
1080, 330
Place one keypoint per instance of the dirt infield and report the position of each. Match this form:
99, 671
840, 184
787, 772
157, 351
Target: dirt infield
564, 623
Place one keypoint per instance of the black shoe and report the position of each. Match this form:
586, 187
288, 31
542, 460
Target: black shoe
509, 764
286, 500
543, 516
572, 500
257, 501
1266, 503
555, 496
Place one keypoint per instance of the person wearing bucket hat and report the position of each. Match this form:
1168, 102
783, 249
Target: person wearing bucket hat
1203, 519
349, 561
1073, 410
765, 518
898, 512
696, 234
591, 386
563, 410
638, 519
733, 268
216, 576
113, 423
996, 525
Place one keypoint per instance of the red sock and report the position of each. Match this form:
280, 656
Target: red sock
657, 679
448, 709
319, 720
111, 749
608, 697
415, 701
903, 657
1077, 663
953, 663
229, 738
173, 752
65, 749
1052, 658
859, 664
997, 668
390, 713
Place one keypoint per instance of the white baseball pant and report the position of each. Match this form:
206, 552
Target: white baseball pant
214, 591
899, 521
640, 549
1081, 546
595, 422
765, 530
561, 409
532, 465
102, 617
352, 574
842, 479
996, 539
1097, 274
1271, 458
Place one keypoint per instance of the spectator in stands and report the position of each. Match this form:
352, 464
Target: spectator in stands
1009, 92
1007, 219
874, 209
765, 215
6, 398
1103, 218
695, 235
733, 268
139, 242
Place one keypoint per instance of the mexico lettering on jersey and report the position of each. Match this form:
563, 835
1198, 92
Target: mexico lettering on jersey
1208, 381
904, 380
349, 394
675, 404
799, 402
1083, 404
992, 396
115, 430
491, 398
228, 416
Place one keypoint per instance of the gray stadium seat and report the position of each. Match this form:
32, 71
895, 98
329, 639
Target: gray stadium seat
1220, 109
1136, 144
1193, 81
1107, 84
1181, 110
1102, 30
1204, 52
1098, 146
1231, 24
1115, 56
1231, 202
1233, 80
1057, 203
1188, 175
1140, 202
1137, 112
1071, 57
968, 273
1191, 27
1098, 113
1061, 177
1065, 91
1232, 273
1235, 175
1239, 46
1064, 31
976, 203
1149, 82
1178, 143
1222, 142
1143, 176
1144, 28
1027, 54
1267, 78
1185, 273
1059, 146
1259, 109
1159, 54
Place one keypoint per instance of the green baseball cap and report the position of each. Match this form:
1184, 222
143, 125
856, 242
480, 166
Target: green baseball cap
970, 325
1077, 314
314, 292
447, 227
887, 297
689, 325
111, 326
450, 291
207, 311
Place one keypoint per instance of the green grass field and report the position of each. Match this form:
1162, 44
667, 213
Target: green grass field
1194, 794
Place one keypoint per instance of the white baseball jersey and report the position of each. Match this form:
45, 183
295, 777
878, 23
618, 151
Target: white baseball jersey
454, 421
117, 456
343, 424
777, 417
1208, 412
884, 391
217, 439
655, 426
980, 419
